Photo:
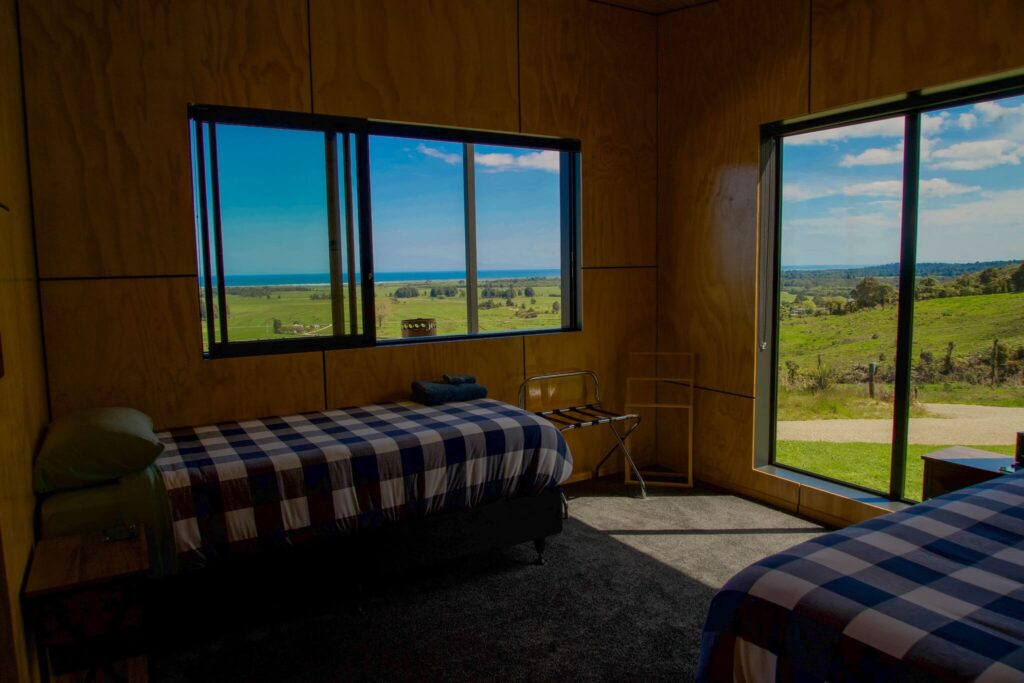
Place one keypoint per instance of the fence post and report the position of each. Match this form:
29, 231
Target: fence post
872, 367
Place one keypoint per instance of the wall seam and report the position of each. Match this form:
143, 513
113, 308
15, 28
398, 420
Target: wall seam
309, 52
32, 213
657, 216
80, 278
519, 64
683, 9
810, 50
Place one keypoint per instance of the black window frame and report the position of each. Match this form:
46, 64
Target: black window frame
911, 106
203, 119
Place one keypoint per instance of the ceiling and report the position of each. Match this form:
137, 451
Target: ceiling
655, 6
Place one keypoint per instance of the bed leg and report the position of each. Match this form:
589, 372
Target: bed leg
539, 544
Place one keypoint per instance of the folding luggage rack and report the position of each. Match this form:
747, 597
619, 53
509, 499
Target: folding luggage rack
589, 415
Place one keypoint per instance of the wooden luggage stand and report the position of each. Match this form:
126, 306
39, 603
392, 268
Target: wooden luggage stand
663, 380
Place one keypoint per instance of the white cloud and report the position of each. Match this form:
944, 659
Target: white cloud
933, 123
940, 187
451, 159
796, 192
546, 160
887, 128
984, 229
990, 112
977, 154
874, 156
967, 121
877, 188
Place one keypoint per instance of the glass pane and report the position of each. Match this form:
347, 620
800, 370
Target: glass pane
518, 230
419, 237
348, 241
840, 250
968, 353
273, 197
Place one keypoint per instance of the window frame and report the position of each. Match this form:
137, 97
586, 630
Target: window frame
911, 106
208, 228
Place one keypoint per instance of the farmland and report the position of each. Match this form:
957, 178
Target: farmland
290, 311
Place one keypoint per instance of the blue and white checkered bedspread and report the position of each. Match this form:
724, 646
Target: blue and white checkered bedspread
932, 593
244, 486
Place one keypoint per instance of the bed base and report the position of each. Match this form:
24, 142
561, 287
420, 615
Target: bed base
301, 577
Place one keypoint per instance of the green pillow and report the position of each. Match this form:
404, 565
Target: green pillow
95, 446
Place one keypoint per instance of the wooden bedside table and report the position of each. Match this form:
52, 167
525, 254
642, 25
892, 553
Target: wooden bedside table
954, 468
84, 598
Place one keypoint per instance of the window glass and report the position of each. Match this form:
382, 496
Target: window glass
967, 378
838, 299
419, 237
273, 205
518, 230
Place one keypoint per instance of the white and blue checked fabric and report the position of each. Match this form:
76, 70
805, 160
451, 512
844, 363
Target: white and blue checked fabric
932, 593
245, 486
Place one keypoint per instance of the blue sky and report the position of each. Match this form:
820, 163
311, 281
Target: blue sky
842, 187
274, 198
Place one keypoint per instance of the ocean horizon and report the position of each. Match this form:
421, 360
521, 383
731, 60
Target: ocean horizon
282, 279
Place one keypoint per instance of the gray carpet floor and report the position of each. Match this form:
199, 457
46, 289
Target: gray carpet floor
623, 596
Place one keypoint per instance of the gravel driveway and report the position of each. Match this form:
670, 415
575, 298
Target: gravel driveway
954, 424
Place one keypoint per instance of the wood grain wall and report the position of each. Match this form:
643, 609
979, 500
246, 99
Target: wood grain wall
113, 193
23, 386
725, 68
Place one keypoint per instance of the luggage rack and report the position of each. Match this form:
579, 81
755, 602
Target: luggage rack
589, 415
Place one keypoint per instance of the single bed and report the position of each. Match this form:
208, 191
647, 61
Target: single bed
932, 593
226, 491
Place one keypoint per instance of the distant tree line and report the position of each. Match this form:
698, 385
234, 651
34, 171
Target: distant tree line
873, 292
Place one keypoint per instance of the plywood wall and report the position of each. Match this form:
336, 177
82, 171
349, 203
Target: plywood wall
725, 68
22, 387
113, 193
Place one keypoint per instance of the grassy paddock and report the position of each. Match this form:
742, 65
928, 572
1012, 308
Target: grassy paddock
252, 318
839, 402
864, 464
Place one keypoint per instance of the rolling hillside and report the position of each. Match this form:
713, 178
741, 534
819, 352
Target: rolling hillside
972, 322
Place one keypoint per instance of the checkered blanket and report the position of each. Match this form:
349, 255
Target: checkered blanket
244, 486
933, 593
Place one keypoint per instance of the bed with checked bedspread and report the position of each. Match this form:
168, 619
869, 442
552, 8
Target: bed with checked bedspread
932, 593
245, 486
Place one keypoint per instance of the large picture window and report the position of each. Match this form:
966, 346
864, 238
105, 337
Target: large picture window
893, 285
318, 232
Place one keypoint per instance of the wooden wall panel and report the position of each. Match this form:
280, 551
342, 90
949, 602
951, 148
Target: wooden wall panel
138, 343
23, 411
589, 72
868, 49
724, 450
619, 309
361, 376
713, 94
448, 62
107, 86
833, 509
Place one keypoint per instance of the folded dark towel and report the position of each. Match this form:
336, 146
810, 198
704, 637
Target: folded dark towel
459, 379
435, 393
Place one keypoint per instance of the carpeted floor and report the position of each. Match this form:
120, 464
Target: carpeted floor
622, 597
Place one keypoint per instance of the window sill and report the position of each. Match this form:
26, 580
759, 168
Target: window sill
848, 492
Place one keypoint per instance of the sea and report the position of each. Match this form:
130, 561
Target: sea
278, 279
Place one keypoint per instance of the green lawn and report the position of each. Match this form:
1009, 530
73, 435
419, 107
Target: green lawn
864, 464
301, 314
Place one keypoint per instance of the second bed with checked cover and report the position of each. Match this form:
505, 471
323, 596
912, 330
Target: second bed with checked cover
933, 593
244, 486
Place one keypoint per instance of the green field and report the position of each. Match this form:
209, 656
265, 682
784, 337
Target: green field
306, 310
866, 336
864, 464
